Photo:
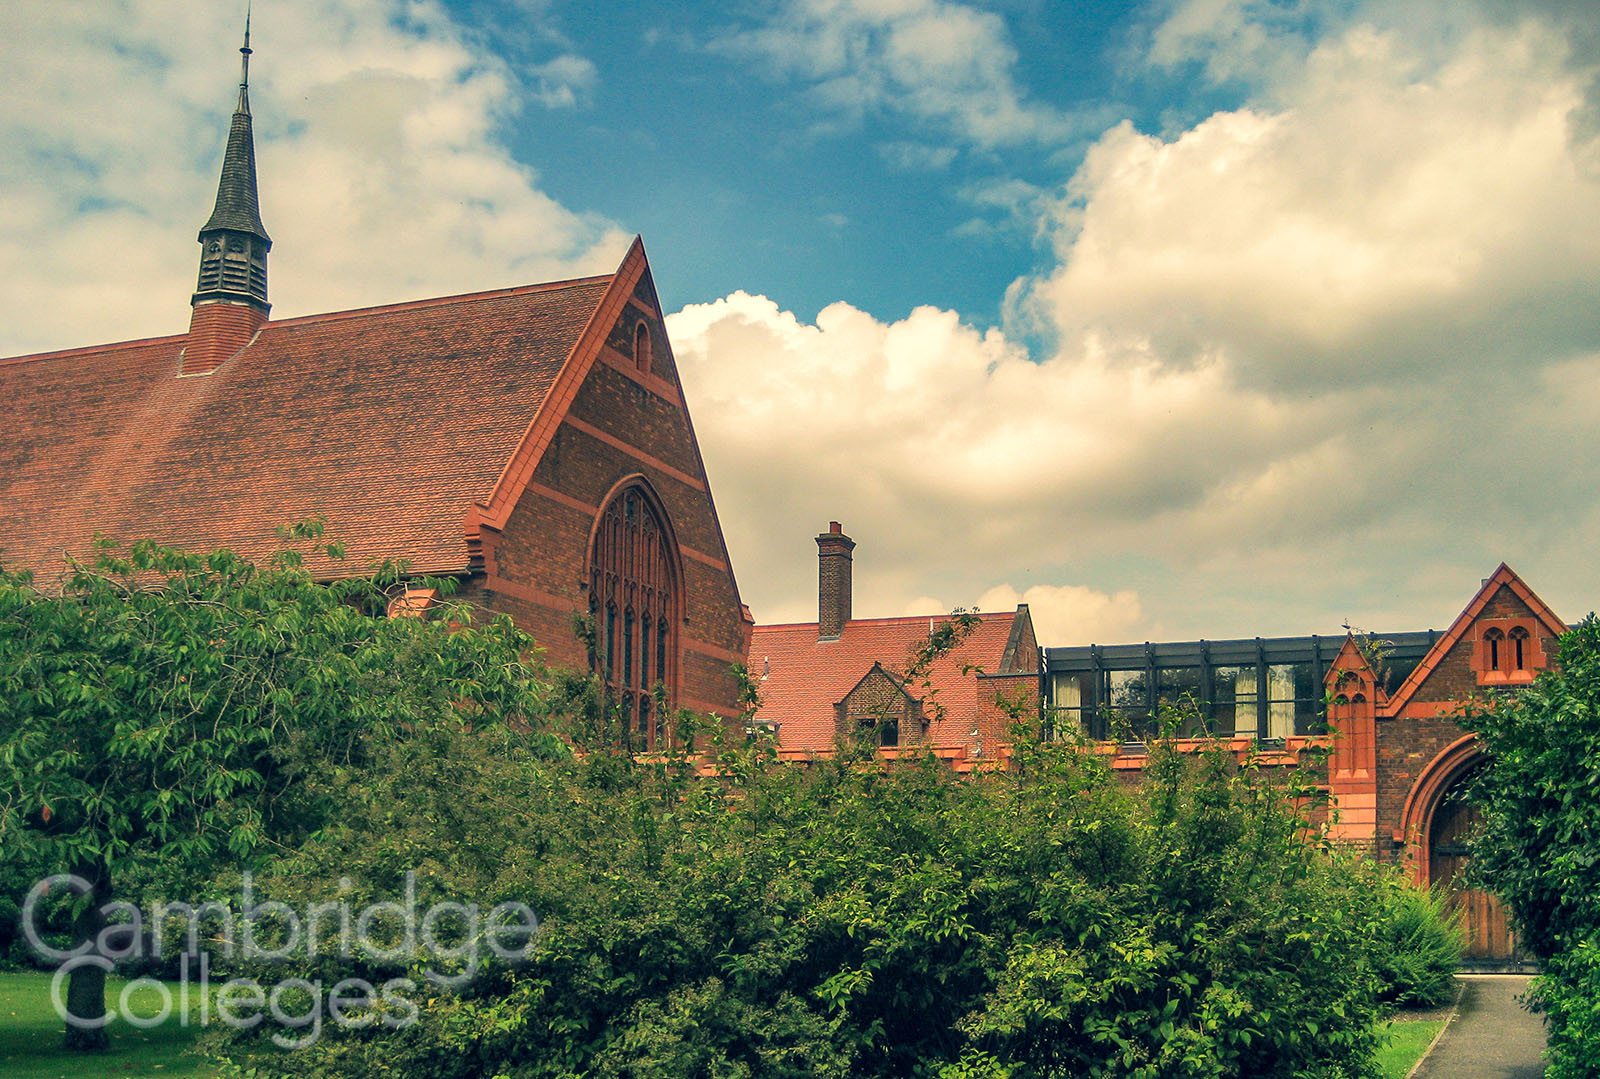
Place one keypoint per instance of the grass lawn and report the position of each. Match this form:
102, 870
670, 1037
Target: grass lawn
1408, 1038
30, 1038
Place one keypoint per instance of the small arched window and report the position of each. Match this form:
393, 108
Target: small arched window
1518, 640
633, 594
641, 348
1493, 648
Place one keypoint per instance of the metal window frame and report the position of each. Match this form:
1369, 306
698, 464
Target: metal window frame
1099, 661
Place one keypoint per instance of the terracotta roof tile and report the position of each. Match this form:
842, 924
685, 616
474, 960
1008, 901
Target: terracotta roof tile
388, 421
805, 677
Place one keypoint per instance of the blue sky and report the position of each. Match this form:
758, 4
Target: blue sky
810, 197
796, 199
1183, 318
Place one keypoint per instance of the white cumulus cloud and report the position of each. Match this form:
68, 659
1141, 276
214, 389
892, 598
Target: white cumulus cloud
946, 64
1341, 342
381, 171
1071, 614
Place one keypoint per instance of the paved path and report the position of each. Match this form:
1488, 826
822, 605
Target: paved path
1492, 1036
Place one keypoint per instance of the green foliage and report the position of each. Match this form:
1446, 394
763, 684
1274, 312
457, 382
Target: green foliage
1421, 941
161, 712
1540, 797
1568, 992
167, 699
718, 916
851, 918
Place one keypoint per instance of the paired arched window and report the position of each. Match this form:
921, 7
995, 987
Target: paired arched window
1508, 652
633, 602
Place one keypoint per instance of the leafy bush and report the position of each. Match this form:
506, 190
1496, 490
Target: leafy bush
160, 708
1540, 797
848, 919
1568, 992
1421, 942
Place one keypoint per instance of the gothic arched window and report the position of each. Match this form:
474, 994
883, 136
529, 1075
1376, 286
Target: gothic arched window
1517, 640
1493, 640
641, 348
633, 599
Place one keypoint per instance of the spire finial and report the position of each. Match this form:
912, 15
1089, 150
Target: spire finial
244, 65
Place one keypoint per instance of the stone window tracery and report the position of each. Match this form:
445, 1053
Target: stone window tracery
633, 600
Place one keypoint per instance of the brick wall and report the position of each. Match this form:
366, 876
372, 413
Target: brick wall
622, 423
875, 700
1405, 746
1427, 723
1002, 699
1026, 657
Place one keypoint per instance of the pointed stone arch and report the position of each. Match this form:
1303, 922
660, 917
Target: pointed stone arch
1435, 825
633, 573
1436, 780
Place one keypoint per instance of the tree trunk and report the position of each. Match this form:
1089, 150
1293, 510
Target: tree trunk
86, 983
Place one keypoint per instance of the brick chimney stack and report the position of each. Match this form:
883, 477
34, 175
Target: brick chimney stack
833, 581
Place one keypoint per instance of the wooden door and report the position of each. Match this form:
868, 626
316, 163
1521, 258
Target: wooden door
1490, 942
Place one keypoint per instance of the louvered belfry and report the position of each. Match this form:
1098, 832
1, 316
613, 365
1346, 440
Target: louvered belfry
230, 299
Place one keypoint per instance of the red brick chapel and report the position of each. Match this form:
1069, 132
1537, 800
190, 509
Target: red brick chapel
531, 442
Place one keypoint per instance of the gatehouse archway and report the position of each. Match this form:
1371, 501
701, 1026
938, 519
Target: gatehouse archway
1437, 822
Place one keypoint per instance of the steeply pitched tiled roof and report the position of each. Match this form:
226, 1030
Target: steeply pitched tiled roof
801, 678
389, 421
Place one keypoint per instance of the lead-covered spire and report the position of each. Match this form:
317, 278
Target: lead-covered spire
230, 300
234, 244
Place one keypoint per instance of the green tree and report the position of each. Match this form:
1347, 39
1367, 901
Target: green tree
853, 917
159, 707
1536, 848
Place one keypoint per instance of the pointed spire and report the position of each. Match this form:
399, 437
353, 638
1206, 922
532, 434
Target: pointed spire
237, 204
230, 301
